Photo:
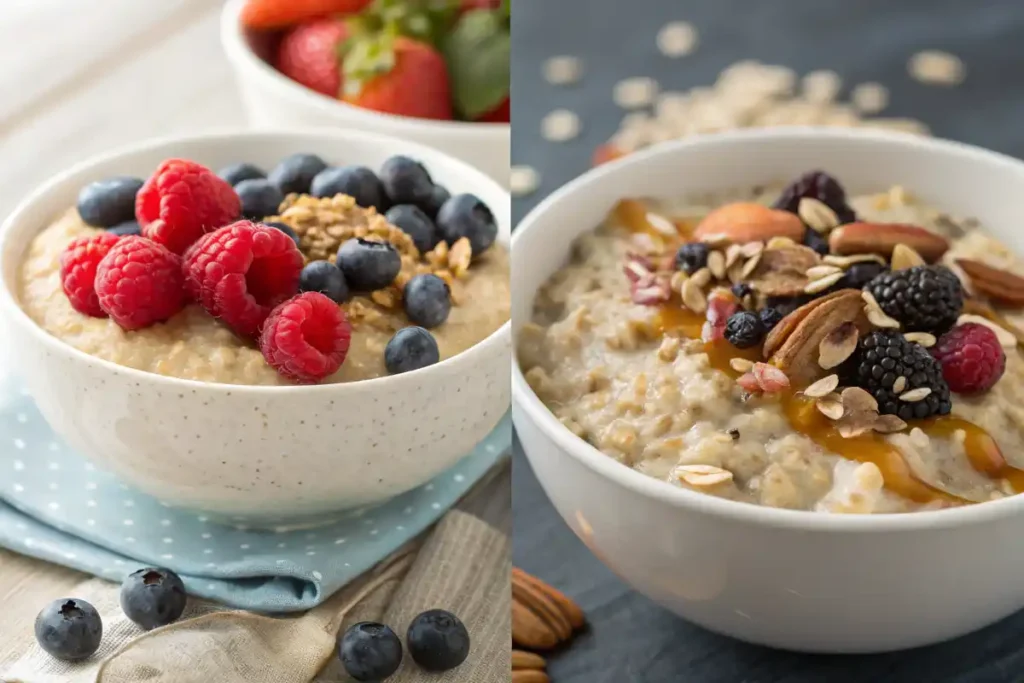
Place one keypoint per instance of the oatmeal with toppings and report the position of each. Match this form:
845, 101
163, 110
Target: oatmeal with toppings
324, 291
791, 347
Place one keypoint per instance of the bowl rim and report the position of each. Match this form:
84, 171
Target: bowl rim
434, 373
237, 49
529, 406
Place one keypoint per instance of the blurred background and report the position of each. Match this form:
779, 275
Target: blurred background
586, 72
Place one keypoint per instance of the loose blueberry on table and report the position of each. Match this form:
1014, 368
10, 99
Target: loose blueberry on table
438, 640
69, 629
152, 597
370, 651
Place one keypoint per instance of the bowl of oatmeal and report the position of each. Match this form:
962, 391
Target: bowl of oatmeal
306, 356
772, 379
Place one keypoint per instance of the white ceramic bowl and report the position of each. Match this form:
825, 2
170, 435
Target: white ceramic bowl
783, 578
273, 100
268, 455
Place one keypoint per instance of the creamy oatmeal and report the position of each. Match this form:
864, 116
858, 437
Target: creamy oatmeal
194, 345
669, 364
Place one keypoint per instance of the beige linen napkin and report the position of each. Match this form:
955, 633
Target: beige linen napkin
462, 565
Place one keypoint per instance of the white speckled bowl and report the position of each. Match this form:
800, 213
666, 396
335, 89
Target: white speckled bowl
270, 455
272, 99
784, 578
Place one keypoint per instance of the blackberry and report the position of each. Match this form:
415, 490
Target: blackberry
818, 185
816, 241
881, 359
770, 317
859, 274
744, 329
922, 298
691, 257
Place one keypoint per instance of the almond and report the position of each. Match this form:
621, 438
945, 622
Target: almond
997, 284
571, 610
882, 238
743, 222
527, 660
904, 257
837, 346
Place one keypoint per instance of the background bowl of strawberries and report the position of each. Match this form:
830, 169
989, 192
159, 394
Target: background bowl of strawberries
431, 71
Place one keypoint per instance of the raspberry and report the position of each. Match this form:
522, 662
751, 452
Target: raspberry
181, 201
971, 357
306, 338
139, 282
78, 271
241, 271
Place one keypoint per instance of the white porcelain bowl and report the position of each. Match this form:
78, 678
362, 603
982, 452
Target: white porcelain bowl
270, 455
274, 100
783, 578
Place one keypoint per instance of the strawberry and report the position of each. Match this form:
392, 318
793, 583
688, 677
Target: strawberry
308, 54
500, 114
397, 75
266, 14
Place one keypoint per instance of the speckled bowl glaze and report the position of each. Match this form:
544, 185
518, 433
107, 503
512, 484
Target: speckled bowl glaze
257, 455
784, 578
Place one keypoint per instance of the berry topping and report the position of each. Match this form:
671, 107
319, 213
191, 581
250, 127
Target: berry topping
438, 640
438, 196
691, 257
69, 629
296, 173
182, 201
406, 181
259, 198
368, 265
817, 185
326, 278
411, 348
816, 241
240, 272
740, 290
370, 651
414, 223
770, 317
306, 338
859, 275
308, 54
285, 228
78, 264
744, 329
971, 357
357, 182
427, 300
236, 173
139, 282
888, 366
922, 298
126, 228
105, 203
466, 216
153, 597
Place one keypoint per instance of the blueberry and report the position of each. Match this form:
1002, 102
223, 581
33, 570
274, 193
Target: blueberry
285, 228
153, 597
368, 265
438, 640
816, 241
370, 651
236, 173
296, 173
770, 317
126, 228
744, 329
411, 348
466, 216
414, 223
357, 182
406, 181
691, 257
438, 196
427, 300
740, 290
69, 629
105, 203
259, 198
859, 274
326, 278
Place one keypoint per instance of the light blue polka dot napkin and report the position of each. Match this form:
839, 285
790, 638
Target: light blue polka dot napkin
56, 506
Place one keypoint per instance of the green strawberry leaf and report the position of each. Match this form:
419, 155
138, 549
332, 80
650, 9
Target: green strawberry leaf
477, 51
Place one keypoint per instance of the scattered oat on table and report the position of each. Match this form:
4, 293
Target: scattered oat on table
562, 70
677, 39
524, 180
633, 93
560, 125
821, 86
870, 98
935, 67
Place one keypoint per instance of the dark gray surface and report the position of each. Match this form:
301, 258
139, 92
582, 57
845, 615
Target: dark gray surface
633, 640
